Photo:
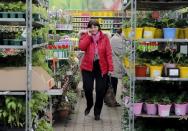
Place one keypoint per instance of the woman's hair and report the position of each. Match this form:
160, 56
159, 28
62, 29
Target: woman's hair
95, 23
119, 31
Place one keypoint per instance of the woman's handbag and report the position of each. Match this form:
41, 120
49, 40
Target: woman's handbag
109, 98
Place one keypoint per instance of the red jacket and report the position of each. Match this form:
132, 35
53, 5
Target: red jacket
104, 49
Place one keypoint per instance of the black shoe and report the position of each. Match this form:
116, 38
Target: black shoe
117, 104
97, 117
87, 111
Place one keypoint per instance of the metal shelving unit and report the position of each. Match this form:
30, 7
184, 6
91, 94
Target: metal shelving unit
19, 21
28, 22
157, 116
146, 5
160, 79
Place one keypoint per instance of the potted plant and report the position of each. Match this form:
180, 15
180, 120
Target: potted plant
180, 105
156, 67
43, 125
183, 65
158, 26
140, 68
34, 37
186, 30
64, 109
18, 40
181, 24
172, 63
12, 113
151, 107
169, 30
148, 24
39, 36
137, 107
165, 106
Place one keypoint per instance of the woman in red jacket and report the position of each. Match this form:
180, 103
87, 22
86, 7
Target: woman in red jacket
95, 65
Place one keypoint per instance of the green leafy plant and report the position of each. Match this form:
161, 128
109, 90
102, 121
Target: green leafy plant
147, 22
72, 96
38, 102
183, 61
170, 129
165, 100
13, 111
157, 61
168, 23
39, 60
43, 125
152, 99
181, 98
181, 23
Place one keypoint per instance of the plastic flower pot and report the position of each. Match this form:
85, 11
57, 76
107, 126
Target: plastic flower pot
149, 32
19, 15
180, 109
12, 15
4, 14
34, 41
141, 70
151, 109
137, 108
158, 33
181, 34
39, 40
36, 17
168, 65
155, 71
138, 35
186, 33
169, 33
183, 72
5, 41
16, 42
164, 110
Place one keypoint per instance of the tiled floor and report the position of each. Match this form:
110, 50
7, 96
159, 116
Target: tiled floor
110, 118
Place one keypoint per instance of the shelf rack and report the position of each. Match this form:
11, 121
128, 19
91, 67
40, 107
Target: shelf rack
157, 116
146, 5
29, 24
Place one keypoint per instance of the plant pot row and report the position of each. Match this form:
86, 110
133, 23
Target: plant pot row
160, 109
37, 41
151, 32
39, 18
11, 42
12, 15
156, 71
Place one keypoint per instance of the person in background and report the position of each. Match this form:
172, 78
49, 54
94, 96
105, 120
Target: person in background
117, 44
96, 64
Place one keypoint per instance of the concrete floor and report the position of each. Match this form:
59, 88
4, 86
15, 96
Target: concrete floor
110, 117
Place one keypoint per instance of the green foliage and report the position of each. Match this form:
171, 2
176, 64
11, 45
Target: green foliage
13, 112
40, 10
38, 59
165, 100
43, 125
149, 22
72, 96
157, 61
168, 23
38, 102
181, 23
12, 6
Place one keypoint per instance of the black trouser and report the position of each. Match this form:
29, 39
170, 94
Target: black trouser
88, 81
114, 83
